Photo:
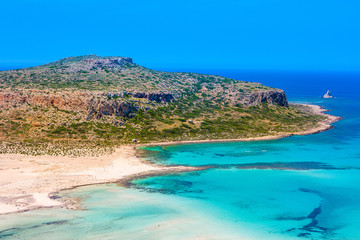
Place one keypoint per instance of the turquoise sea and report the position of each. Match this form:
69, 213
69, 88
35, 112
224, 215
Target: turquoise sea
301, 187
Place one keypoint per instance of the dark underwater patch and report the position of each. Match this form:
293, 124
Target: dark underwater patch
13, 231
289, 166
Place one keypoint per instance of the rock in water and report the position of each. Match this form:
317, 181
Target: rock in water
328, 94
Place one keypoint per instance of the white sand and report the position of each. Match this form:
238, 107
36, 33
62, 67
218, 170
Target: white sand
27, 181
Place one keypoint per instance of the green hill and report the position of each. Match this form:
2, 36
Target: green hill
90, 104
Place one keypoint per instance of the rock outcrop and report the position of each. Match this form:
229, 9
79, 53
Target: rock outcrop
70, 101
159, 97
272, 97
100, 108
90, 104
97, 105
328, 94
94, 64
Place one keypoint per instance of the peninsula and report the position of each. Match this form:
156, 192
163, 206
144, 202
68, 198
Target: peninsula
88, 105
76, 121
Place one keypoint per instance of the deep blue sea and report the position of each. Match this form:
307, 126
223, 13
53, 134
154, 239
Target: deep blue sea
300, 187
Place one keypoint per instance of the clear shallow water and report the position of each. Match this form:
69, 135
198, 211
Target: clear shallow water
317, 196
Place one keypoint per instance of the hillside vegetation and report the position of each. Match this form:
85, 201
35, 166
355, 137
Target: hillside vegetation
90, 104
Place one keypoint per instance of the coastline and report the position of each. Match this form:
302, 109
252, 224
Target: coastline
40, 178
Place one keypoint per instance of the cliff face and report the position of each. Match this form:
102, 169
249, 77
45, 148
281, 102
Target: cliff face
100, 108
151, 96
157, 97
86, 103
94, 104
273, 97
97, 105
76, 101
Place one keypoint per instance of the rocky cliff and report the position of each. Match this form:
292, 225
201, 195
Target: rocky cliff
115, 86
273, 97
114, 104
99, 108
92, 104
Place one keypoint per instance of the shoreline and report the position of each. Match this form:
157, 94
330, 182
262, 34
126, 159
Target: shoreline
41, 178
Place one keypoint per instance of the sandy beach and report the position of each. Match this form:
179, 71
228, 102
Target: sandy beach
27, 182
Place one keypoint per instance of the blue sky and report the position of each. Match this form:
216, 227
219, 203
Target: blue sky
187, 34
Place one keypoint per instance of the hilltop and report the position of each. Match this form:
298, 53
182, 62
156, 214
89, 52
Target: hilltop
95, 103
